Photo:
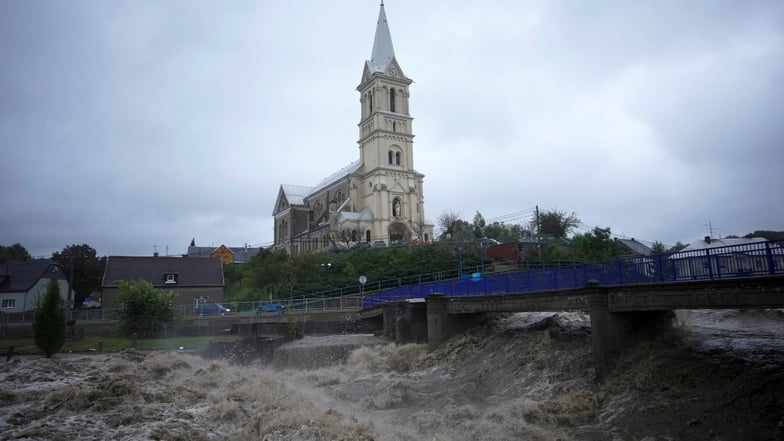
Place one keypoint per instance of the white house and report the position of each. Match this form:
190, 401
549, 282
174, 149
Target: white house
731, 257
22, 283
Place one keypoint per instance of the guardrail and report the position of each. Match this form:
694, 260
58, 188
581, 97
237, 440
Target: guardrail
752, 259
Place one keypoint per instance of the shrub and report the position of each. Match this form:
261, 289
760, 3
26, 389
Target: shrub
49, 321
145, 310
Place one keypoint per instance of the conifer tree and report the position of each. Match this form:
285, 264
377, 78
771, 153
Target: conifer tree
49, 321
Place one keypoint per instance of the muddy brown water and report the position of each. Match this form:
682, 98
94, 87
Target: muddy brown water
717, 376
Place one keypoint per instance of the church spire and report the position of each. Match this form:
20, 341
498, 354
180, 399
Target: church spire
383, 52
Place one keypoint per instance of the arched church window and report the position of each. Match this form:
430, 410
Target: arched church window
394, 126
370, 103
397, 158
367, 236
391, 100
390, 156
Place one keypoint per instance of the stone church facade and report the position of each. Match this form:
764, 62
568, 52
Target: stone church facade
377, 198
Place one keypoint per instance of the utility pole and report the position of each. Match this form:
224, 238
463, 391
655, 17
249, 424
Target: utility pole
539, 237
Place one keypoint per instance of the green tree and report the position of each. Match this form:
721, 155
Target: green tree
15, 252
767, 234
145, 311
49, 321
507, 233
677, 247
479, 225
83, 268
556, 223
595, 245
658, 248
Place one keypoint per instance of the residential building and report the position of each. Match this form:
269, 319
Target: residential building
378, 197
709, 257
632, 247
225, 253
23, 283
195, 280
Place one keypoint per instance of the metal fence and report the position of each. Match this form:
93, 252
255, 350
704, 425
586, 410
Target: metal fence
753, 259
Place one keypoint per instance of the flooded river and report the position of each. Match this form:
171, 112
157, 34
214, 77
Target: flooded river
716, 376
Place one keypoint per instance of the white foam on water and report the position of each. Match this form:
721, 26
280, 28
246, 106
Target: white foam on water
525, 376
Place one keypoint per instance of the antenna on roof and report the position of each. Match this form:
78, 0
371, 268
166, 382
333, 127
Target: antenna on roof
709, 225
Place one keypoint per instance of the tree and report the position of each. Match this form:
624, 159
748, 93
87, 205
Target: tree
507, 233
447, 222
145, 310
595, 245
677, 247
555, 222
15, 252
49, 321
83, 268
658, 248
767, 234
479, 225
346, 235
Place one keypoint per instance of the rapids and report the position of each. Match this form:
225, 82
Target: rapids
716, 376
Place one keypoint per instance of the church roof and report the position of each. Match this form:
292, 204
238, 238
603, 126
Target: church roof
295, 194
383, 52
338, 175
364, 215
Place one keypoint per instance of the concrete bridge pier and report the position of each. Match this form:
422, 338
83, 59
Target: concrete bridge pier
405, 322
391, 311
441, 325
614, 332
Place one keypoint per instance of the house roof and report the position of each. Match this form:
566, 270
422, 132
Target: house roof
241, 254
702, 244
636, 247
22, 276
191, 272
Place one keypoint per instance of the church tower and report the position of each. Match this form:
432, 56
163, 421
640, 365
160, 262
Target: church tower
377, 199
391, 187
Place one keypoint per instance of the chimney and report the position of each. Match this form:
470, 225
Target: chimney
707, 239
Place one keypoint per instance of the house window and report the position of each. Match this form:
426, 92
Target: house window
170, 278
391, 100
9, 303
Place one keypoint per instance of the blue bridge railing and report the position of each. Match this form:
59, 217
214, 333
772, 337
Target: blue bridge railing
749, 259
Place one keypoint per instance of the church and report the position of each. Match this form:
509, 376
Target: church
376, 200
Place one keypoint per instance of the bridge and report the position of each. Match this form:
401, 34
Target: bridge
624, 297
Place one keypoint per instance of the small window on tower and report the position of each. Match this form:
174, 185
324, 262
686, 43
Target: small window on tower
397, 158
390, 156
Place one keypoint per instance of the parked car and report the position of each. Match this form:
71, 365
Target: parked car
379, 244
270, 307
212, 309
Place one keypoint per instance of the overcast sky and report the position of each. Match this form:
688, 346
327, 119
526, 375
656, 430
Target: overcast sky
133, 124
